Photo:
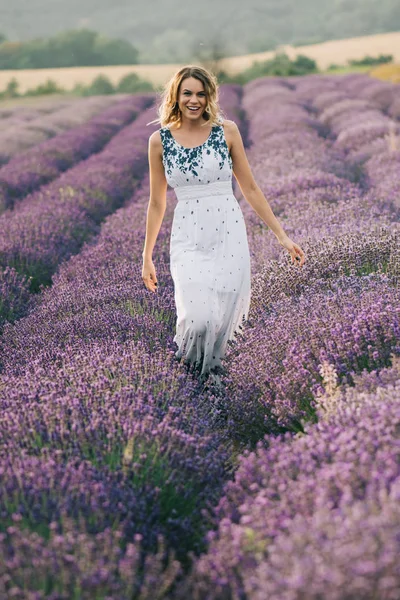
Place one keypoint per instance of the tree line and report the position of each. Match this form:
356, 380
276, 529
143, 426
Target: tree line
74, 48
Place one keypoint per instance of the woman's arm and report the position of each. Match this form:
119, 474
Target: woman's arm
156, 208
247, 183
253, 194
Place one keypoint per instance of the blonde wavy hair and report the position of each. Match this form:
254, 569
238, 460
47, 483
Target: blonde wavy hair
168, 109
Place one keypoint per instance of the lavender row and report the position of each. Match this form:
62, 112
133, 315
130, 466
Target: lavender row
42, 106
115, 432
377, 148
104, 395
52, 224
230, 98
43, 163
21, 173
315, 515
21, 132
12, 114
373, 144
15, 296
272, 385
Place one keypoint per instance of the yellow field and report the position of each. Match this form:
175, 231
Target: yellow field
335, 51
387, 73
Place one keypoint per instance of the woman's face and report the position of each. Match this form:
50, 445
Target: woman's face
192, 95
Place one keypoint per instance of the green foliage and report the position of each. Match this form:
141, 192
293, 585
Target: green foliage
74, 48
303, 65
100, 85
132, 84
50, 87
11, 90
342, 69
114, 52
280, 65
370, 60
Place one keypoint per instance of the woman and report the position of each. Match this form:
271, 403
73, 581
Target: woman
196, 151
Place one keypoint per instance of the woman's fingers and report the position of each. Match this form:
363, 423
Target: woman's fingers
151, 285
297, 255
149, 278
302, 256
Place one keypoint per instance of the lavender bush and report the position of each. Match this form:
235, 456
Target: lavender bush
39, 165
52, 224
15, 297
26, 127
315, 515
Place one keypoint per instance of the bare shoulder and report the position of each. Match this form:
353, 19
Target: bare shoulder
155, 139
155, 147
229, 126
231, 131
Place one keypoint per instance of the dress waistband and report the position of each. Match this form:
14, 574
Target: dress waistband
216, 188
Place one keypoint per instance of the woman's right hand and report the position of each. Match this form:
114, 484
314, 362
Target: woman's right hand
296, 253
149, 275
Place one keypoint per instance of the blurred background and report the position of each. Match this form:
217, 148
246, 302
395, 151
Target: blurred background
83, 47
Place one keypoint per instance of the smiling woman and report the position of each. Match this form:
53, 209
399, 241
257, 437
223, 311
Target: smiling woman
209, 253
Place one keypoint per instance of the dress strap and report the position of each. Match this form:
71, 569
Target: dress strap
163, 134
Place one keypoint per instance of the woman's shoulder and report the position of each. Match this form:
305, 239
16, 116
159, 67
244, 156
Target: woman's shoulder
228, 124
229, 127
158, 132
156, 138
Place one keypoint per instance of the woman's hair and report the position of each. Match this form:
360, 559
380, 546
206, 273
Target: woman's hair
168, 109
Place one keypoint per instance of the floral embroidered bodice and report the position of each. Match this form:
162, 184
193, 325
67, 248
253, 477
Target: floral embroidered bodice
202, 164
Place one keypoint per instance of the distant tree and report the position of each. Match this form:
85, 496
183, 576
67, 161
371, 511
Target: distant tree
99, 86
50, 87
304, 64
11, 90
40, 54
10, 55
279, 65
370, 60
2, 38
115, 52
74, 48
132, 84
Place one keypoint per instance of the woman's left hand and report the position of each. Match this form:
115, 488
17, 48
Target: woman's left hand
296, 253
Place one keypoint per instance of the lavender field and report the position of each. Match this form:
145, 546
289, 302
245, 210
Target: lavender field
121, 477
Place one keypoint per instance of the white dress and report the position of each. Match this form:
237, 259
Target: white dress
209, 253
